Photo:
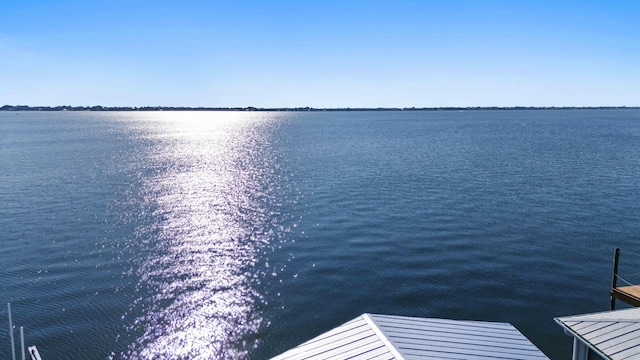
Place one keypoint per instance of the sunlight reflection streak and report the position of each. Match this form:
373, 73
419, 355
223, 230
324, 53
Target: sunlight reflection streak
212, 195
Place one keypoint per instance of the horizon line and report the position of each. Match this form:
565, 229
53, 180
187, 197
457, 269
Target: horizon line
303, 108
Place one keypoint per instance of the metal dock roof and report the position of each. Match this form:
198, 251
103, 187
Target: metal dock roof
372, 336
611, 334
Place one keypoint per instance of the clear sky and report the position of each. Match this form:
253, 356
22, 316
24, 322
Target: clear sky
320, 53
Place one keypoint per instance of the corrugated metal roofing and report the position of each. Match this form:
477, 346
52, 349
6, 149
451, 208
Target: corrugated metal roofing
611, 334
372, 336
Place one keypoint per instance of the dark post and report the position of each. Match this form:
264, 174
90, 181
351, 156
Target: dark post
614, 279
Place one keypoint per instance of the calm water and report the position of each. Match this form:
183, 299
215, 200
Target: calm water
200, 235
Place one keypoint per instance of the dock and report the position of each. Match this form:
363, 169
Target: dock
630, 294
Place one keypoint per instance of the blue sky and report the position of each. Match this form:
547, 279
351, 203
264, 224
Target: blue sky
320, 53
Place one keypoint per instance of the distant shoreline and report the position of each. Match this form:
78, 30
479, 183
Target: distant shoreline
250, 108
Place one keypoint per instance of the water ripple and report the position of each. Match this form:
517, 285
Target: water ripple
211, 201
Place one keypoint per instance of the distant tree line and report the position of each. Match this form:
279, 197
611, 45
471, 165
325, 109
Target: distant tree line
251, 108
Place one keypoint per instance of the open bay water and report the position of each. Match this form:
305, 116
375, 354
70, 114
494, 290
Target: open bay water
230, 235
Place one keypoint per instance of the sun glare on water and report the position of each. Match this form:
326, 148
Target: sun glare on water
208, 187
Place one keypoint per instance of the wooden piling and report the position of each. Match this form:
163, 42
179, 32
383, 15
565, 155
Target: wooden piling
614, 278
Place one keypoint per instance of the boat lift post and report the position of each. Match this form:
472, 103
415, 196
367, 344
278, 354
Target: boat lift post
22, 341
13, 346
